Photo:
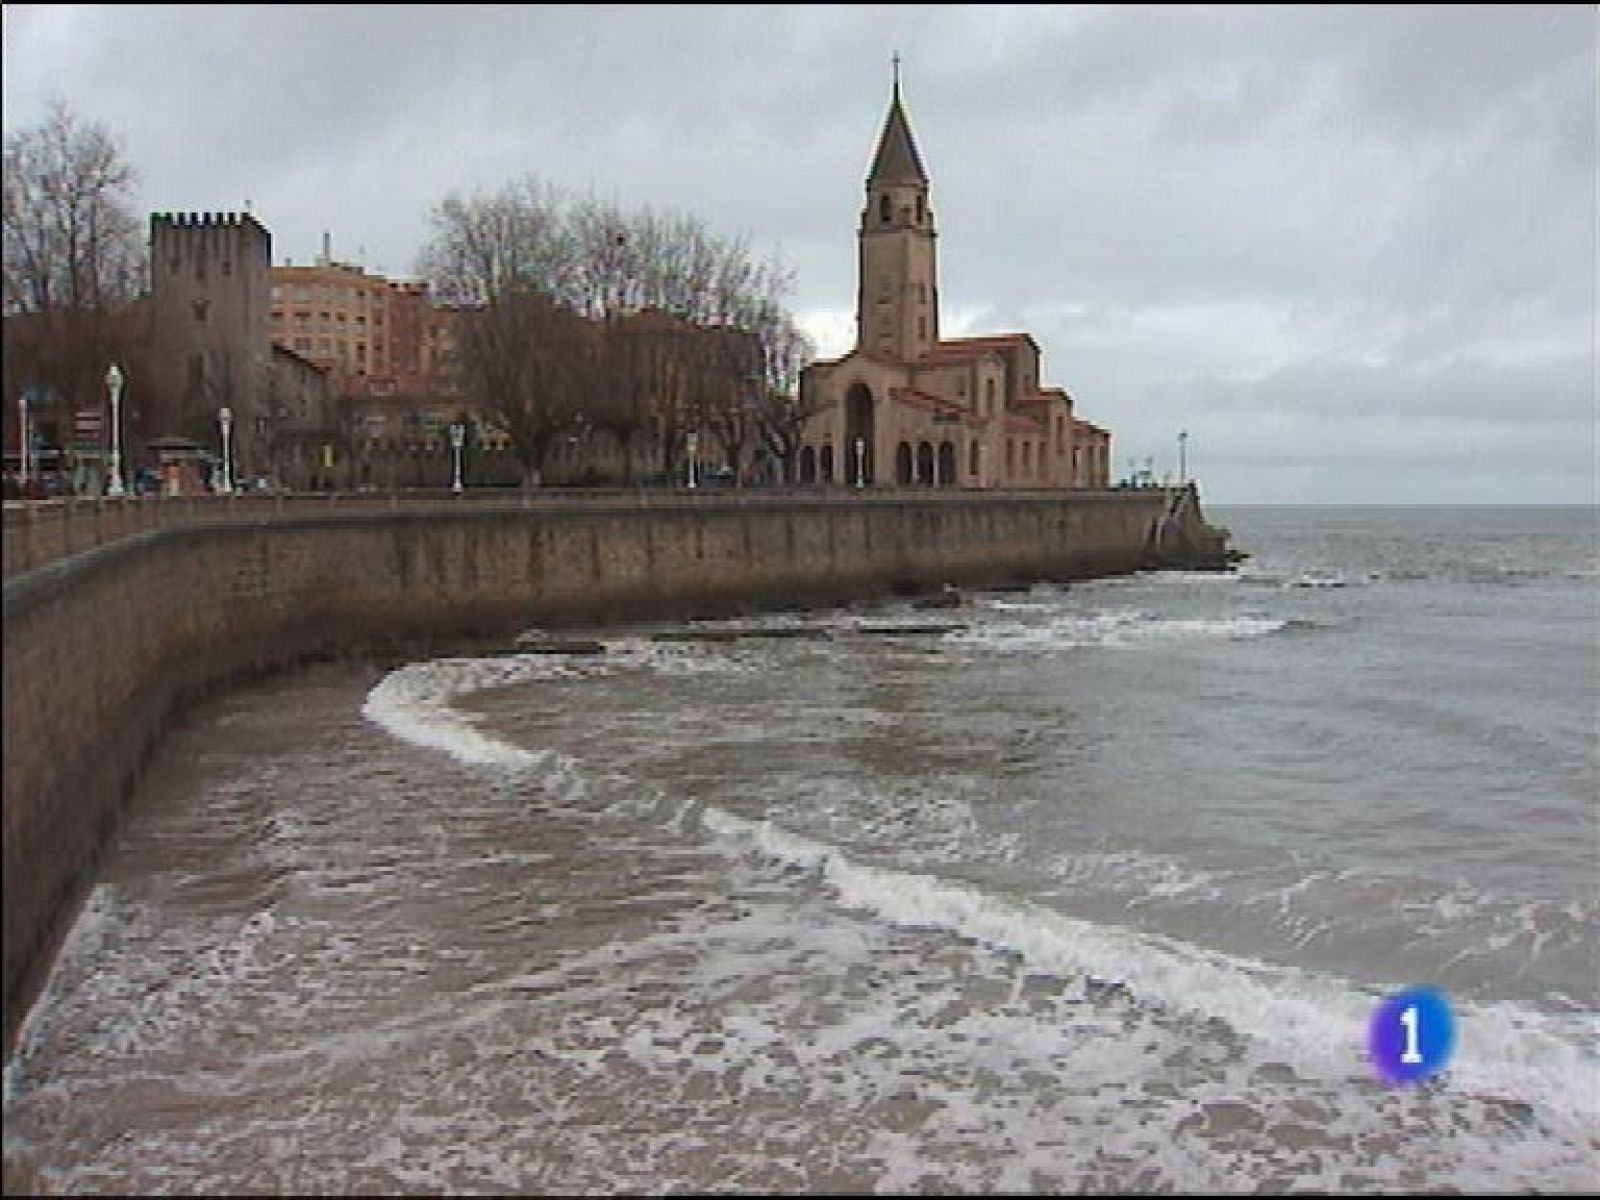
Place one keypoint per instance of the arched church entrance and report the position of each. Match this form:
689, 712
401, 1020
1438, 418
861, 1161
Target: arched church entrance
902, 464
858, 433
947, 465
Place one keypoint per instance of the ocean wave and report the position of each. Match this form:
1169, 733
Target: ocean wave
1118, 628
1318, 1022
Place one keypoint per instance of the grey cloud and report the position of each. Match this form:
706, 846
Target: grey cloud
1203, 215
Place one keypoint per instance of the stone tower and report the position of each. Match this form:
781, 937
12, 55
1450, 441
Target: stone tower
897, 298
211, 298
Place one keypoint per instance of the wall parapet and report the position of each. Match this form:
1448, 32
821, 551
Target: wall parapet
42, 531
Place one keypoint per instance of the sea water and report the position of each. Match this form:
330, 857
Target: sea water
1081, 887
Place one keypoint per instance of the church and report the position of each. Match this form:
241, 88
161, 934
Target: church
907, 408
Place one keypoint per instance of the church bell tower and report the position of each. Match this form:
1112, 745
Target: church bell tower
897, 298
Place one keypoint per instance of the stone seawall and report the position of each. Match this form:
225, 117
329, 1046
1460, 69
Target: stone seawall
102, 647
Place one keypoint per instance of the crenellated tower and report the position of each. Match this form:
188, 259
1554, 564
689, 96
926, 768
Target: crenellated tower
211, 296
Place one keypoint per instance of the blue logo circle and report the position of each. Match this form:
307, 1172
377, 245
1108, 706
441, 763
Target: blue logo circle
1412, 1035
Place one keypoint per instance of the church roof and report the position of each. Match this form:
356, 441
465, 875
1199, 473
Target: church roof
897, 160
1017, 422
913, 398
952, 349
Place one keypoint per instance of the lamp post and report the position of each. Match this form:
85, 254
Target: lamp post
861, 462
22, 434
114, 385
225, 420
693, 438
458, 437
1183, 469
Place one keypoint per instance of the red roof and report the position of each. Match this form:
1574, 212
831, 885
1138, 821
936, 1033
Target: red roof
959, 348
912, 398
1081, 426
1017, 423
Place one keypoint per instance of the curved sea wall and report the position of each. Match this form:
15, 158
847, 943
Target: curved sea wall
104, 645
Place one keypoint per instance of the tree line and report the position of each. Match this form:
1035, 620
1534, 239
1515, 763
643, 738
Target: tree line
580, 318
637, 330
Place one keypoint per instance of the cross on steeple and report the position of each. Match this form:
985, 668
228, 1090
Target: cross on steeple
897, 74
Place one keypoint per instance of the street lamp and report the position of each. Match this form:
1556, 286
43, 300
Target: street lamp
861, 462
458, 437
114, 384
22, 432
694, 453
1183, 470
225, 420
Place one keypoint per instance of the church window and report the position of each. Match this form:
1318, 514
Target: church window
883, 208
919, 210
972, 459
988, 394
922, 328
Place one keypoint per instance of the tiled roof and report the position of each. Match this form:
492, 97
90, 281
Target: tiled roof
912, 398
1018, 423
955, 349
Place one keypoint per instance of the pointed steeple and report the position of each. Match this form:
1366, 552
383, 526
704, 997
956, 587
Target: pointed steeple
897, 160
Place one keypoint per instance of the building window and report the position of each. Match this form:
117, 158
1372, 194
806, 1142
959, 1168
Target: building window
922, 327
883, 208
919, 210
972, 460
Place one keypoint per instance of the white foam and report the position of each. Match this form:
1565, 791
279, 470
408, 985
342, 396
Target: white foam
413, 704
1119, 627
1318, 1023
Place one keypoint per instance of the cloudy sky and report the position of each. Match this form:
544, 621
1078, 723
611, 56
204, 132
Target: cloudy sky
1351, 251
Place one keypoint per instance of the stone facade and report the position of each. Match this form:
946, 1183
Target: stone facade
210, 346
906, 408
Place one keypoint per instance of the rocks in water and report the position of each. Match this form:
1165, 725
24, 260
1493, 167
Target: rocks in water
535, 641
908, 630
945, 597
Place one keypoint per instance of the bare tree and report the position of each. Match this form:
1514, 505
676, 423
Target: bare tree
506, 258
586, 317
73, 257
72, 243
782, 409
